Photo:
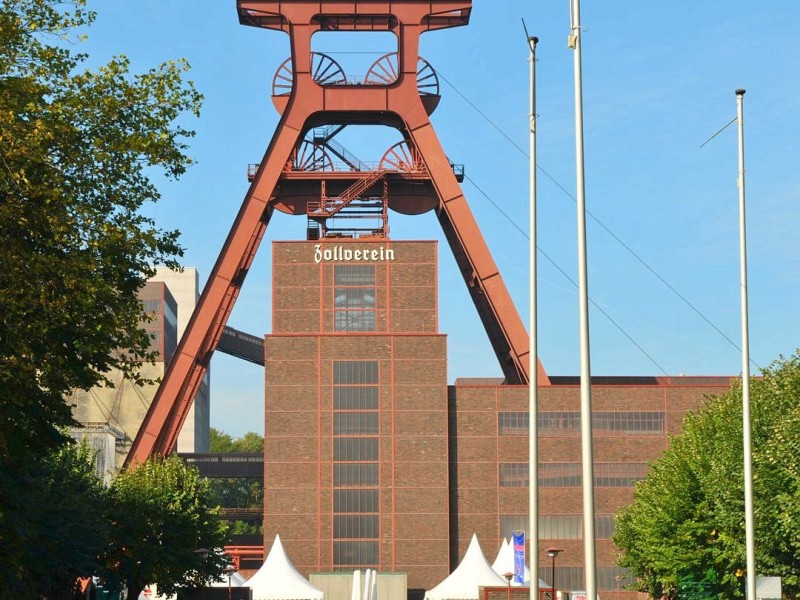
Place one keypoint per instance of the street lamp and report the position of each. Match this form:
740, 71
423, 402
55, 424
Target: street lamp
552, 553
229, 570
508, 577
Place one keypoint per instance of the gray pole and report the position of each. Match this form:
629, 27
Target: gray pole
583, 302
748, 452
533, 384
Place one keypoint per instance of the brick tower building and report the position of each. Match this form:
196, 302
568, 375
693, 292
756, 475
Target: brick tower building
356, 446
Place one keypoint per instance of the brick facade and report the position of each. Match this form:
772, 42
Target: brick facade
478, 500
445, 468
411, 412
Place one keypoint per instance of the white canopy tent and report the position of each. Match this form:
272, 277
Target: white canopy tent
473, 572
277, 579
504, 563
497, 565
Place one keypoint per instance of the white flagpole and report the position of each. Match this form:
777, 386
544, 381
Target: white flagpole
533, 383
355, 593
583, 302
367, 585
748, 452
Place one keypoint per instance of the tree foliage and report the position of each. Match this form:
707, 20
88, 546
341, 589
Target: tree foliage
162, 517
225, 443
147, 527
65, 527
686, 525
77, 150
238, 492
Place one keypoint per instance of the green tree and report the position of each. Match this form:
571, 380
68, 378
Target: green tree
162, 517
65, 530
685, 529
220, 442
77, 151
225, 443
233, 492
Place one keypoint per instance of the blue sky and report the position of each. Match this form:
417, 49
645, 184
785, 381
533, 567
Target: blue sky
659, 79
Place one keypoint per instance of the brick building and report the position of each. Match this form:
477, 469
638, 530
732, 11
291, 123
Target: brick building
373, 461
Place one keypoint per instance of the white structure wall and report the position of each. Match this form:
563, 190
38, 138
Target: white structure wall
185, 288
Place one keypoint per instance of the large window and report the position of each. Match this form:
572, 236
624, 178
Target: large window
355, 398
558, 527
569, 423
354, 554
355, 475
354, 298
571, 474
356, 467
355, 372
355, 501
355, 423
609, 579
355, 449
355, 526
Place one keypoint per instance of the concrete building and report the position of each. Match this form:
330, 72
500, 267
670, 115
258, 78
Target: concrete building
111, 416
373, 461
185, 288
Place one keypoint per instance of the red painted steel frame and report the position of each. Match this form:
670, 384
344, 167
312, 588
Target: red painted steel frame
308, 105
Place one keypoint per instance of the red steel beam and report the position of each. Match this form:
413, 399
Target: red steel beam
164, 419
311, 104
488, 291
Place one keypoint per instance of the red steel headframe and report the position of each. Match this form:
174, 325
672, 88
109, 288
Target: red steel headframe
311, 104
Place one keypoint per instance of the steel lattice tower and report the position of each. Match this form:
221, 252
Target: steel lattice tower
296, 176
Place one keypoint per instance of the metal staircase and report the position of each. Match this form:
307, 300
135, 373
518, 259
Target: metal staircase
328, 207
354, 205
324, 136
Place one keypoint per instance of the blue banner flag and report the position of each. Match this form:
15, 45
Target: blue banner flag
519, 556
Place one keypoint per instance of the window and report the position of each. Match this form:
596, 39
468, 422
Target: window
559, 422
569, 423
355, 526
355, 501
355, 371
619, 474
560, 475
636, 423
355, 449
567, 578
571, 474
514, 475
354, 298
355, 398
513, 423
355, 423
558, 527
355, 554
356, 454
355, 475
609, 579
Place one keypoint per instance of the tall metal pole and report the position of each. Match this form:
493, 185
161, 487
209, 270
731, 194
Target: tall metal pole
583, 302
533, 387
748, 452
